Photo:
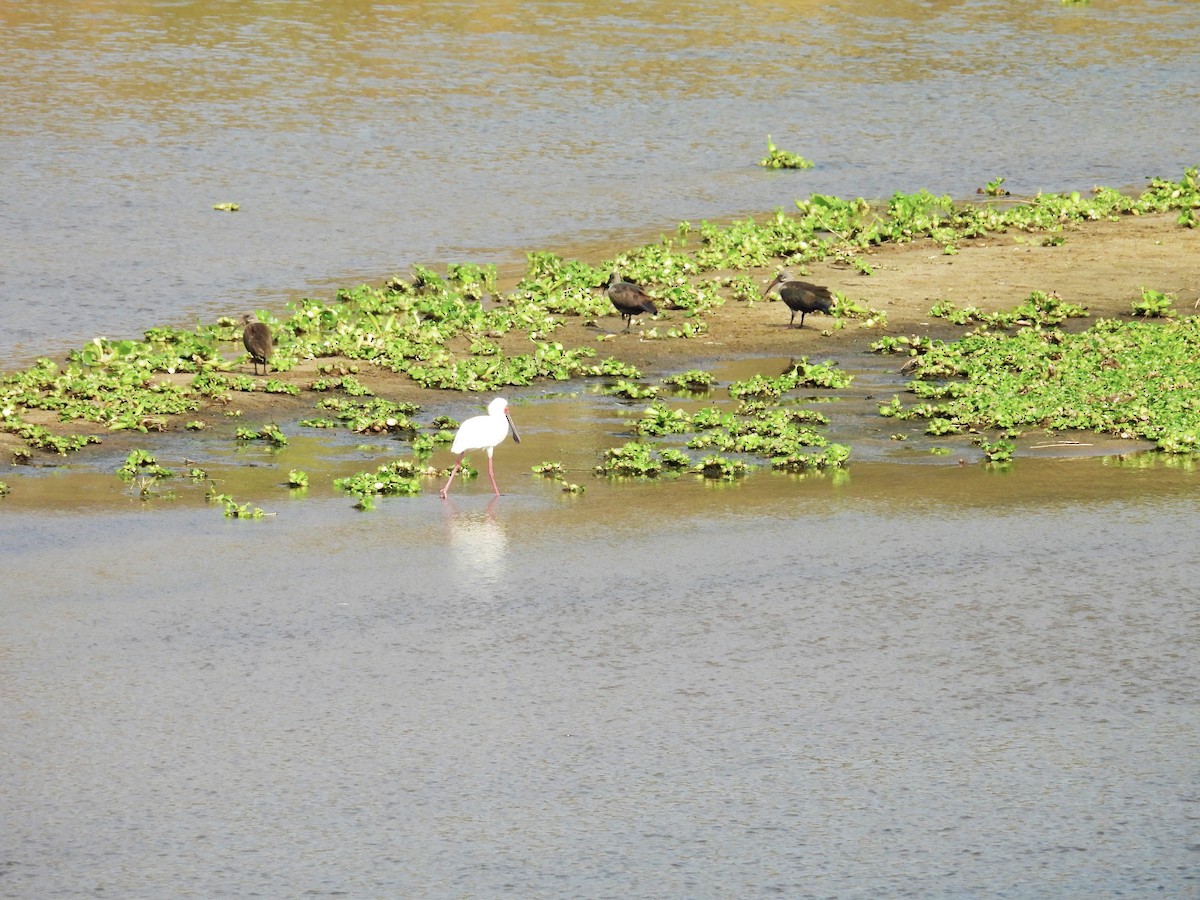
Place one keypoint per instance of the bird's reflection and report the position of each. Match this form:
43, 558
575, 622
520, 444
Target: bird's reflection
478, 542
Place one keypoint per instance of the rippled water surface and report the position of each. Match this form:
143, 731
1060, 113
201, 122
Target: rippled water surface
957, 684
931, 680
360, 138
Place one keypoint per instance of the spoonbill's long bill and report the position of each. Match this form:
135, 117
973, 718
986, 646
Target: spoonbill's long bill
482, 433
800, 296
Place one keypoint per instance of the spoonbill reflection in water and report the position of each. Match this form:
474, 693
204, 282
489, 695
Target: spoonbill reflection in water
482, 433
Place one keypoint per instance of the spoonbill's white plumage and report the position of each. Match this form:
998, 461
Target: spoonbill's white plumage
482, 433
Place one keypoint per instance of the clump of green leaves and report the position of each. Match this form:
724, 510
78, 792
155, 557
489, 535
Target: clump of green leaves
642, 459
269, 433
235, 510
801, 373
994, 188
398, 478
720, 468
1153, 304
691, 380
1043, 377
297, 478
631, 390
1039, 309
144, 463
782, 159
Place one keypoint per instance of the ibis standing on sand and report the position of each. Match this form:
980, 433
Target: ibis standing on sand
800, 296
482, 433
256, 337
629, 298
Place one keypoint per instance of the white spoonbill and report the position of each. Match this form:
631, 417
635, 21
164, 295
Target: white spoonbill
482, 433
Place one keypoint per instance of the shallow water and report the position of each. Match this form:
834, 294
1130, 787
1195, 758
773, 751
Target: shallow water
931, 680
361, 138
945, 685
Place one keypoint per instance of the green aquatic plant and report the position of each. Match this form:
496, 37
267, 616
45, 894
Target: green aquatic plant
5, 490
549, 469
142, 463
270, 433
642, 459
691, 380
658, 419
1153, 304
297, 478
831, 456
719, 467
801, 373
235, 510
372, 416
398, 478
996, 451
1038, 310
782, 159
994, 188
1096, 380
631, 390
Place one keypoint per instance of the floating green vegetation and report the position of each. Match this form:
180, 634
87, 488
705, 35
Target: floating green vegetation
235, 510
691, 380
718, 467
659, 419
399, 478
554, 471
142, 463
1131, 379
993, 188
5, 490
269, 433
642, 459
226, 207
373, 416
297, 478
801, 373
1153, 304
782, 159
631, 390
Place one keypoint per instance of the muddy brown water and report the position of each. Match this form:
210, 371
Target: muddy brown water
923, 676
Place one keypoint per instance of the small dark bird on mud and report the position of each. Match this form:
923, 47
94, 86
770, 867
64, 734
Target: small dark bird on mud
800, 296
628, 298
256, 337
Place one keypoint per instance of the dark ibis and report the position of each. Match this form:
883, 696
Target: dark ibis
482, 433
800, 296
256, 337
629, 298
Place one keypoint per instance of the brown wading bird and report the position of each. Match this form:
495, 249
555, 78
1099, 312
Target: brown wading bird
629, 299
800, 296
257, 339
